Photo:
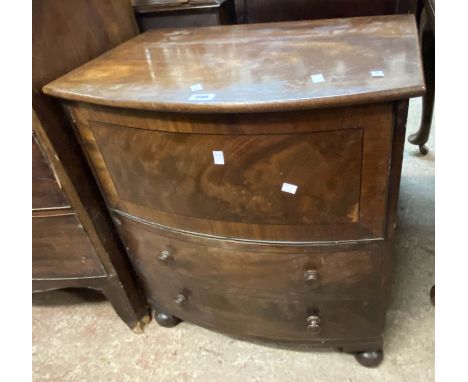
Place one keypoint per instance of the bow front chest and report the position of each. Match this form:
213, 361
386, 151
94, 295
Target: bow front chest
253, 171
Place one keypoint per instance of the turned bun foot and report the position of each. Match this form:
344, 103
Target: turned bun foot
415, 139
423, 149
166, 320
370, 358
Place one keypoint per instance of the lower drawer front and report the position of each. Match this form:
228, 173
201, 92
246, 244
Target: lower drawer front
259, 289
302, 320
61, 249
326, 272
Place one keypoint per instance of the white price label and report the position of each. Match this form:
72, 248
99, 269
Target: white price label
289, 188
218, 157
196, 87
202, 97
317, 78
377, 73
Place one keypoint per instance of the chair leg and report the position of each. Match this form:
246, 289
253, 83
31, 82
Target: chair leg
421, 137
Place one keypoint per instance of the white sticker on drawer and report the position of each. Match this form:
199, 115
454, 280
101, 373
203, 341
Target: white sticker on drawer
218, 157
289, 188
377, 73
196, 87
202, 97
317, 78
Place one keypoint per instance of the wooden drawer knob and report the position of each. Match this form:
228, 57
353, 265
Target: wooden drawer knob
165, 256
313, 324
311, 277
180, 299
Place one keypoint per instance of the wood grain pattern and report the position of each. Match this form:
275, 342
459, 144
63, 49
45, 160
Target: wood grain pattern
175, 173
261, 67
351, 271
81, 30
62, 249
84, 251
46, 190
282, 320
341, 171
220, 246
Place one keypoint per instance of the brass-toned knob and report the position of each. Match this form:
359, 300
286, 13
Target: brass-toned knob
165, 256
311, 277
313, 324
180, 299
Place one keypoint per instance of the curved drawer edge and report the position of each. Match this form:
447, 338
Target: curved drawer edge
235, 239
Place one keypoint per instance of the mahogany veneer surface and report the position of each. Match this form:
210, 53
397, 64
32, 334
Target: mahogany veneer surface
222, 244
258, 67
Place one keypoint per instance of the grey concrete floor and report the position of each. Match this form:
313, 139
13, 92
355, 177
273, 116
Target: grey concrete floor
78, 337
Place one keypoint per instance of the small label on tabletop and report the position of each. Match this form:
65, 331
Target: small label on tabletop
377, 73
218, 157
317, 78
289, 188
201, 97
196, 87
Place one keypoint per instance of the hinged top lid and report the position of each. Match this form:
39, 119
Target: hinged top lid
256, 67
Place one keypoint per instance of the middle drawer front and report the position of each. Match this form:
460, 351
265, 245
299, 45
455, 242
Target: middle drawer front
325, 272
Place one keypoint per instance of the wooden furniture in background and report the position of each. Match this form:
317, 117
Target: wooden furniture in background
153, 14
240, 11
427, 37
261, 11
74, 243
253, 171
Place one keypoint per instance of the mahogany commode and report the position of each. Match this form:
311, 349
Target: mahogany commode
253, 171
